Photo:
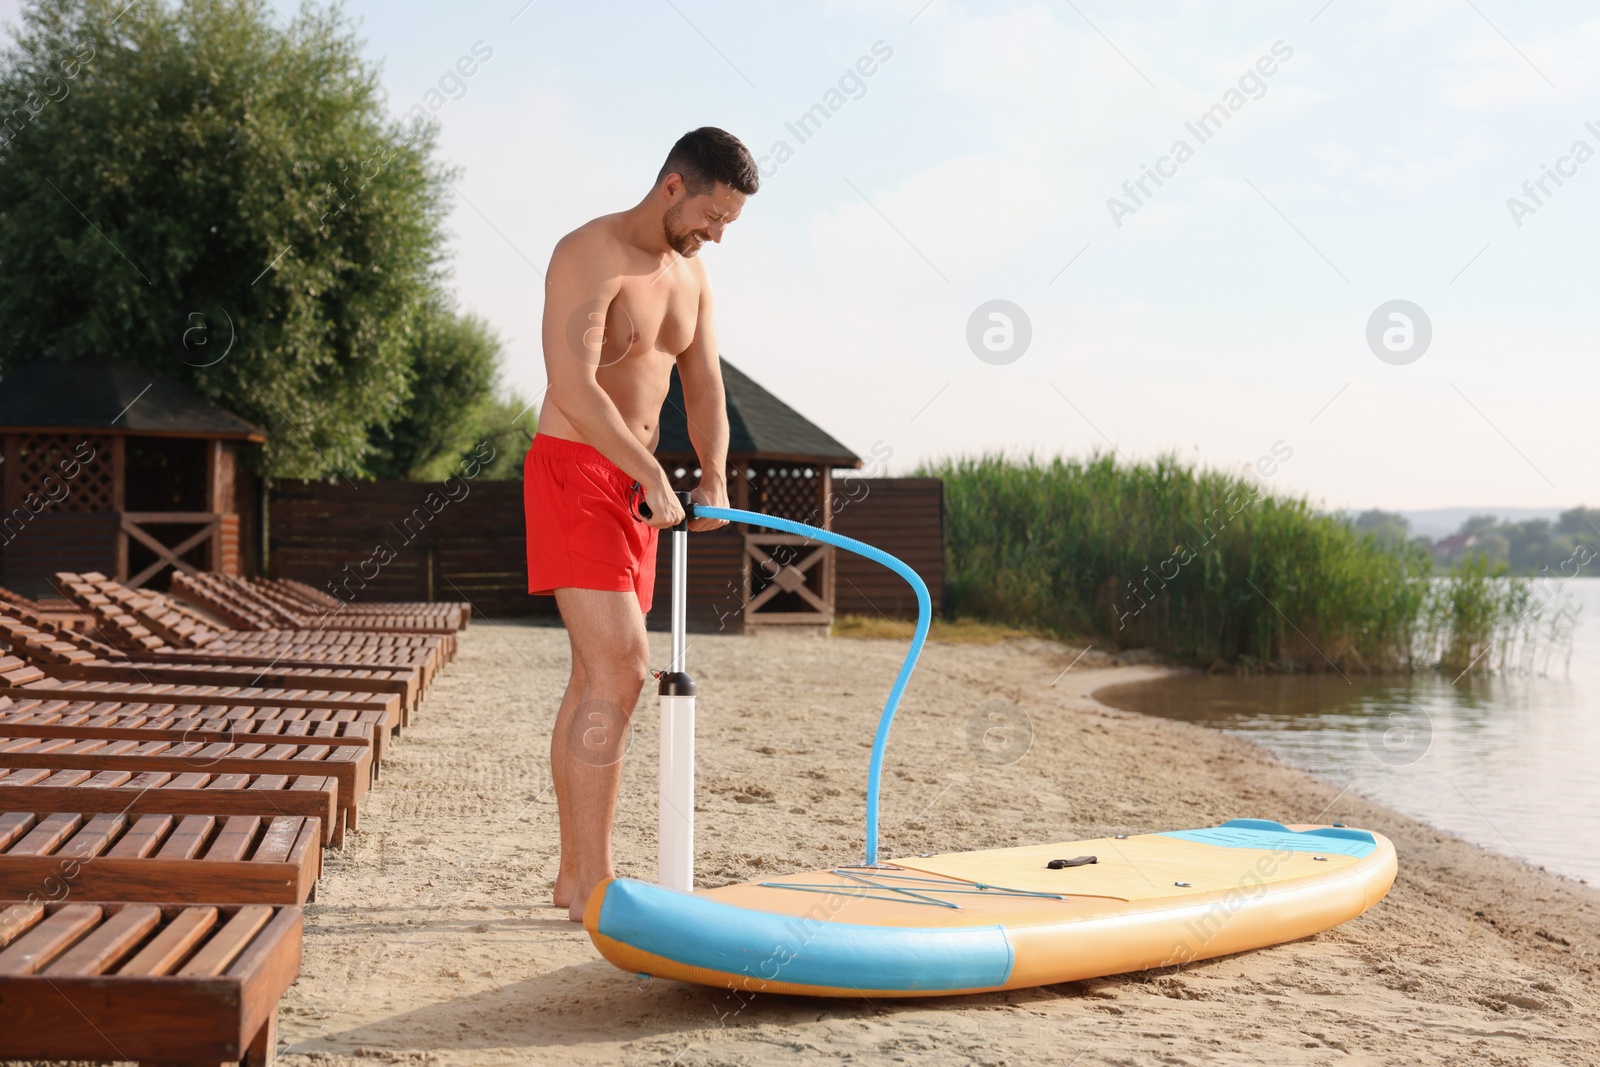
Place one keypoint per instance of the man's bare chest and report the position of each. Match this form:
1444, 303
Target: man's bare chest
660, 314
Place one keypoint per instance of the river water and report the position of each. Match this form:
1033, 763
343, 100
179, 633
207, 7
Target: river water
1510, 761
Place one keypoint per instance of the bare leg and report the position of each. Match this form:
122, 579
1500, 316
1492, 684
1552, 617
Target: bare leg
568, 873
608, 642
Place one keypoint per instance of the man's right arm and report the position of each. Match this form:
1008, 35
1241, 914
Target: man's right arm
578, 292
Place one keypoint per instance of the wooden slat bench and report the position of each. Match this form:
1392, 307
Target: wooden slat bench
25, 681
140, 630
434, 615
407, 671
67, 659
304, 598
190, 722
350, 767
166, 792
179, 625
174, 984
57, 613
234, 600
181, 859
433, 652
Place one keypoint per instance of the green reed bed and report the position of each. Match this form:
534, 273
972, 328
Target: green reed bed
1479, 619
1210, 568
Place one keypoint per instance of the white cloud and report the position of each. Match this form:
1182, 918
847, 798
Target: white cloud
1488, 72
1332, 155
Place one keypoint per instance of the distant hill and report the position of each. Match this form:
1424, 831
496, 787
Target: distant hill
1441, 522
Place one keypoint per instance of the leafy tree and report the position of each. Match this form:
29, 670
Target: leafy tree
1478, 524
219, 196
1531, 547
1492, 546
1584, 522
1529, 544
453, 366
508, 425
1388, 527
457, 405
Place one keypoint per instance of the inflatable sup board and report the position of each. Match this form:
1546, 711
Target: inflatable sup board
970, 922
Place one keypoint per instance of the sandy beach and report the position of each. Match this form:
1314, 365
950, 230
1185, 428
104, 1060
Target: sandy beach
432, 939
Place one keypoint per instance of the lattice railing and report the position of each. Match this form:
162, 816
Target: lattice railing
789, 491
51, 466
685, 474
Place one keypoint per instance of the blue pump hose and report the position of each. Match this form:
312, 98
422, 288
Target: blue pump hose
924, 619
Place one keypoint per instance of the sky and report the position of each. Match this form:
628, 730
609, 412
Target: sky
1359, 153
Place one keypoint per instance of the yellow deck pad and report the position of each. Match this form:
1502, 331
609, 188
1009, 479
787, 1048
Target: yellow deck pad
1136, 868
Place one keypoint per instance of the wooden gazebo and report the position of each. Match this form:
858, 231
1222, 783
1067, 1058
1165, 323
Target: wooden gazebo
779, 463
111, 467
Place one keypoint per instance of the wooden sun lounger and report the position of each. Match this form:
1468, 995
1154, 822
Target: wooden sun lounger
354, 659
141, 624
192, 722
268, 591
59, 612
190, 639
139, 619
247, 613
319, 599
162, 618
386, 722
24, 681
437, 650
234, 601
172, 984
63, 659
350, 766
180, 859
163, 792
305, 598
349, 647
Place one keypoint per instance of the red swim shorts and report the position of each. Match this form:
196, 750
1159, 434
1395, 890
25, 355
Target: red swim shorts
581, 533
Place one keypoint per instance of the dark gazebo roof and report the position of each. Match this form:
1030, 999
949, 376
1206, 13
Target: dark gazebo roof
759, 424
104, 394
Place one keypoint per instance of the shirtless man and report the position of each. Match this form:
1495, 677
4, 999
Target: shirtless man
625, 298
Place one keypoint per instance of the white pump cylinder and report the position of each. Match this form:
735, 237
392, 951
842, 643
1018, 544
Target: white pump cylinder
675, 862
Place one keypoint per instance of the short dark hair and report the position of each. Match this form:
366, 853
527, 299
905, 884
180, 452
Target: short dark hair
709, 155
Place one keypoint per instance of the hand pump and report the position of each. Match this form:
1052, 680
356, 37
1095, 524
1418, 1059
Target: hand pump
675, 865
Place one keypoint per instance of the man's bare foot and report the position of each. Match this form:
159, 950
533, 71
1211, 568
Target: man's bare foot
562, 897
580, 898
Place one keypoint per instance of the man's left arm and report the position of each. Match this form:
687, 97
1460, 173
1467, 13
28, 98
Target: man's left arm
700, 370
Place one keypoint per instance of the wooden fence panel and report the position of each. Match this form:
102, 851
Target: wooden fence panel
716, 582
905, 518
411, 541
34, 547
358, 541
481, 555
395, 540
